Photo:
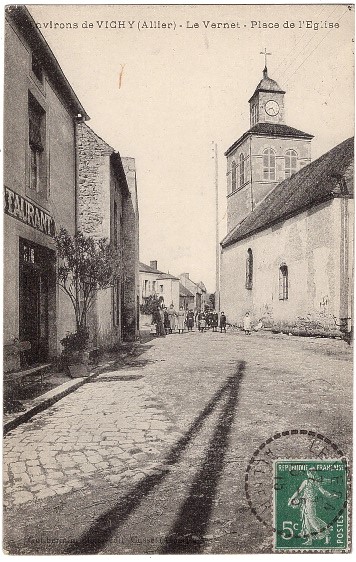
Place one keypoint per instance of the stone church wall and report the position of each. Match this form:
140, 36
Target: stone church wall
309, 245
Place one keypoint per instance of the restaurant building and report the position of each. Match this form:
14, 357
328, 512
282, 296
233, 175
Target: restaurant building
41, 112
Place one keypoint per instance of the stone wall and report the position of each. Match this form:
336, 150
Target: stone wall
102, 185
93, 205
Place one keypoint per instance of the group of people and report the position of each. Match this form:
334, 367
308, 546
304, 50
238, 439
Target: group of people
210, 319
168, 320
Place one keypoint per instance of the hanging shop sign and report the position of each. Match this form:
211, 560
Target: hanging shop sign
20, 208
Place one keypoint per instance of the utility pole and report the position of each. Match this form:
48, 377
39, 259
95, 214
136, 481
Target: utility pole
217, 244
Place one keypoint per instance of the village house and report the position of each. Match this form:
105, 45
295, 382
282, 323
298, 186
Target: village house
41, 112
288, 256
162, 285
186, 298
107, 208
198, 290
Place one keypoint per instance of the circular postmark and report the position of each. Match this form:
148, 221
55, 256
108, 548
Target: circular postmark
296, 484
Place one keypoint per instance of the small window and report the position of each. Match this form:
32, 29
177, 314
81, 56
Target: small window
249, 269
37, 68
36, 139
269, 165
233, 176
161, 288
242, 169
283, 283
153, 286
290, 163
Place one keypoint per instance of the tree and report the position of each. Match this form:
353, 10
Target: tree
151, 304
86, 265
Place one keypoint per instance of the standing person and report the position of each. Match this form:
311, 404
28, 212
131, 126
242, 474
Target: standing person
202, 322
222, 322
162, 331
197, 319
181, 320
172, 319
214, 320
160, 323
207, 318
166, 320
247, 324
190, 320
157, 319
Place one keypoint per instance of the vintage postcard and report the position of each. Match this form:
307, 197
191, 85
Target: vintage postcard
178, 278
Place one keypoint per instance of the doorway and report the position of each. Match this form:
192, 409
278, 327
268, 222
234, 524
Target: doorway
36, 278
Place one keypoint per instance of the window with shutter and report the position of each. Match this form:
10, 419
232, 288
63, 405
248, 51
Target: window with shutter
36, 141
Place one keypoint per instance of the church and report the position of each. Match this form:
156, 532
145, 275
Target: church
287, 258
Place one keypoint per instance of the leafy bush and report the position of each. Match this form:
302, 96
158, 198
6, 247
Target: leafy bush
151, 304
76, 341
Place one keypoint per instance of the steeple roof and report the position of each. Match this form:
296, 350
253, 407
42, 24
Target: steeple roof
267, 85
270, 130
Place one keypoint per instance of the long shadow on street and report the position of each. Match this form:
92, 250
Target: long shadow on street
194, 515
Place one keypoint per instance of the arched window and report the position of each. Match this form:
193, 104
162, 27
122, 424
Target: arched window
242, 169
249, 269
233, 176
269, 165
290, 165
283, 282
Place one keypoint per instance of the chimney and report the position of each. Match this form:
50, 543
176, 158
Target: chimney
153, 264
186, 275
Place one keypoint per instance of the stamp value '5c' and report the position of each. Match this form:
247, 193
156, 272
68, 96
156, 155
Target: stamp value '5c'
310, 505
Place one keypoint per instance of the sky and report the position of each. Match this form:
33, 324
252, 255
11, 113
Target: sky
186, 86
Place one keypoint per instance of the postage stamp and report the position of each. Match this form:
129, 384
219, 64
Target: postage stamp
310, 501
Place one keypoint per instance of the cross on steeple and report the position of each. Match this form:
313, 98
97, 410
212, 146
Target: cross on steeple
265, 54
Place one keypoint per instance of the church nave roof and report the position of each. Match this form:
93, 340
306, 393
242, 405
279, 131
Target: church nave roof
329, 176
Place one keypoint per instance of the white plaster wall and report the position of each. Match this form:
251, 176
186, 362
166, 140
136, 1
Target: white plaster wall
170, 292
307, 244
60, 198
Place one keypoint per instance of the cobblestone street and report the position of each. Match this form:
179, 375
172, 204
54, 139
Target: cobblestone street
151, 456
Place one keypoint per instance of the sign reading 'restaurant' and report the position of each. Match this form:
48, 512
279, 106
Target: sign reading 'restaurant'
20, 208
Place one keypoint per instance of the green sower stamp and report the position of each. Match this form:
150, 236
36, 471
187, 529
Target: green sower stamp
310, 505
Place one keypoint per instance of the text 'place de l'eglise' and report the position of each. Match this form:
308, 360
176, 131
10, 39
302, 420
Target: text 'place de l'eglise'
80, 307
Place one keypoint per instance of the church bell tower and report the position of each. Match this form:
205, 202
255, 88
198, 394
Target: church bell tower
265, 155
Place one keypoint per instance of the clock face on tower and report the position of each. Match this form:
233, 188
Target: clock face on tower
272, 108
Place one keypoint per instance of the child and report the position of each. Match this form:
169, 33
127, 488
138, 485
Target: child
222, 322
202, 322
247, 324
